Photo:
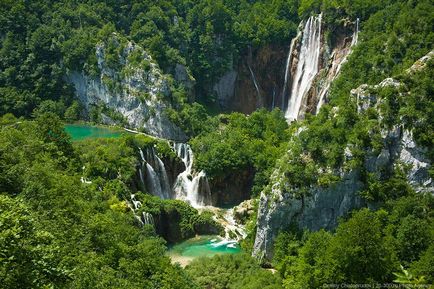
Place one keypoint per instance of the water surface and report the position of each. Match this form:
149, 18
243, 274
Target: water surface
202, 246
81, 131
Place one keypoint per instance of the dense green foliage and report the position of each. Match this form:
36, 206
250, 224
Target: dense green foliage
365, 249
42, 40
231, 272
243, 142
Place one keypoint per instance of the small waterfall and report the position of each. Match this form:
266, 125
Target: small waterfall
190, 186
147, 219
254, 80
356, 33
307, 66
324, 90
165, 186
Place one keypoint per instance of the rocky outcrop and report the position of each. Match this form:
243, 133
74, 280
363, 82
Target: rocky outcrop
399, 147
129, 84
320, 209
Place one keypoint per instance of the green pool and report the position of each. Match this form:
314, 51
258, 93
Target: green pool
202, 246
81, 132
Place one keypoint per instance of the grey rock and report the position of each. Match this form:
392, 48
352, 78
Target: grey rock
321, 209
414, 157
225, 88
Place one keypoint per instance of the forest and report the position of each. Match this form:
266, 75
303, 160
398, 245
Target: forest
68, 211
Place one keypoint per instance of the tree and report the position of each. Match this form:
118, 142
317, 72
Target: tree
358, 253
28, 255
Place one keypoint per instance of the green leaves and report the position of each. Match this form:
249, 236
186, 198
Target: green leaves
242, 142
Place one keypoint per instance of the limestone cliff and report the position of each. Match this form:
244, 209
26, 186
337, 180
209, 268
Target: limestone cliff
129, 85
282, 205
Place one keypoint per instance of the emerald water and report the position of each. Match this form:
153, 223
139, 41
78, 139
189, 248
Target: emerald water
202, 246
81, 132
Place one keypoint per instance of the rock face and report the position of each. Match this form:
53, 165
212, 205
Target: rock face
131, 86
321, 209
233, 189
322, 206
253, 82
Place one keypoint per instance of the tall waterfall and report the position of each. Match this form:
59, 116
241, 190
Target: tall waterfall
307, 66
189, 186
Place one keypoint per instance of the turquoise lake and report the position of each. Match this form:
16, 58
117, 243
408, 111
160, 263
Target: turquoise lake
202, 246
81, 132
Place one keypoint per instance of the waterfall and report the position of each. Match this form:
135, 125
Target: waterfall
190, 186
356, 33
288, 67
337, 67
153, 181
147, 218
254, 80
307, 66
157, 181
165, 186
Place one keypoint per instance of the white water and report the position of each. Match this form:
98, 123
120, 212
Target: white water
190, 186
147, 218
325, 90
288, 67
307, 66
254, 80
157, 181
153, 181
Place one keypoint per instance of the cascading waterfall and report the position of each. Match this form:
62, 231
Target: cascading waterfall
325, 89
146, 218
307, 66
157, 181
189, 186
